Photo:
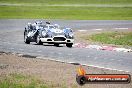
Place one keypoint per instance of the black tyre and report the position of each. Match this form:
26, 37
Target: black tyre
69, 45
38, 41
81, 80
56, 44
26, 39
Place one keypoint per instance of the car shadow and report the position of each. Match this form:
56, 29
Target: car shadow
50, 45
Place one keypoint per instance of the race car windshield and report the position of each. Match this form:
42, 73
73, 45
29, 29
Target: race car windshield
50, 27
56, 27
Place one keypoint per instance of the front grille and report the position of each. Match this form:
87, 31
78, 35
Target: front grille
49, 40
59, 39
68, 41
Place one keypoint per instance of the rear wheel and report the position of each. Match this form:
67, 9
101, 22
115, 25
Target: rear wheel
38, 41
26, 40
69, 45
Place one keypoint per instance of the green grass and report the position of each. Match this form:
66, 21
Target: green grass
70, 1
21, 81
69, 9
56, 12
117, 38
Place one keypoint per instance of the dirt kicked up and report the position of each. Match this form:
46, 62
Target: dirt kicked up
52, 73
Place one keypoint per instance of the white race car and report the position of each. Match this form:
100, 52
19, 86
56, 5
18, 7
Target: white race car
47, 33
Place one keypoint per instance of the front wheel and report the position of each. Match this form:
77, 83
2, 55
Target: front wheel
69, 45
38, 41
26, 40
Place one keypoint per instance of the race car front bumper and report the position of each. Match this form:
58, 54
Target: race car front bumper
60, 40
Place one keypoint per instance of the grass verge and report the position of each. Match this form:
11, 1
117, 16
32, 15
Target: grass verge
70, 1
68, 9
117, 38
65, 12
20, 81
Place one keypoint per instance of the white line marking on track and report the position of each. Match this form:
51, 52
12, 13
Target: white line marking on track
120, 28
20, 54
40, 57
59, 61
104, 68
69, 5
82, 30
98, 29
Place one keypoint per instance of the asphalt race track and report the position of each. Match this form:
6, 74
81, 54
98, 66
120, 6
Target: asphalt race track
11, 40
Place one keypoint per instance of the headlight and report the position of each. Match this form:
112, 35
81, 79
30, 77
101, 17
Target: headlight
71, 34
49, 34
43, 33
